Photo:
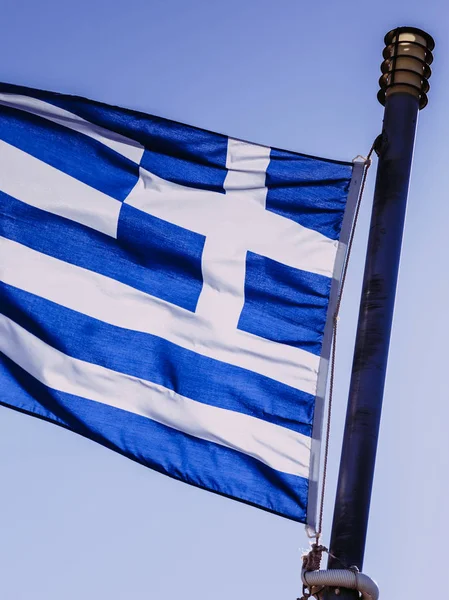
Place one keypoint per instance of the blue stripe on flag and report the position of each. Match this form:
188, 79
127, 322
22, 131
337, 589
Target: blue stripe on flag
151, 255
168, 253
184, 171
154, 359
284, 304
308, 190
181, 456
75, 154
176, 152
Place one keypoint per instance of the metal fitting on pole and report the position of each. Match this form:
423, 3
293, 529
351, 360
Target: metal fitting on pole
406, 68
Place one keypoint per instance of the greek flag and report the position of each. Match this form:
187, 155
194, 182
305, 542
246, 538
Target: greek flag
165, 292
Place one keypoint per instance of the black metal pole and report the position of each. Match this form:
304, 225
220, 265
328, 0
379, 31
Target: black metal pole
373, 333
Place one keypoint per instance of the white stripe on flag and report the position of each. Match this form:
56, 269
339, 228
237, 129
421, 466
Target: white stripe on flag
125, 146
118, 304
38, 184
279, 448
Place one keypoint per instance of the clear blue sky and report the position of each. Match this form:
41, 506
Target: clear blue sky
78, 521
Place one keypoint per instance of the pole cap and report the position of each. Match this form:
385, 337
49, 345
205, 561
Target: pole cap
406, 66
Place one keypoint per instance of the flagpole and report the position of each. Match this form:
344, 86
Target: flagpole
403, 93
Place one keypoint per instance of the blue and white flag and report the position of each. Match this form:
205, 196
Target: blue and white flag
166, 292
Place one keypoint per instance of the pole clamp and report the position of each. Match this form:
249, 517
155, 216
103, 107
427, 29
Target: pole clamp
314, 582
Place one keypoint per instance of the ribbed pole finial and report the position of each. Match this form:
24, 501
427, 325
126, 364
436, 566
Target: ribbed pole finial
406, 66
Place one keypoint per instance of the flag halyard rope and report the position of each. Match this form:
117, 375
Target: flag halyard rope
318, 532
